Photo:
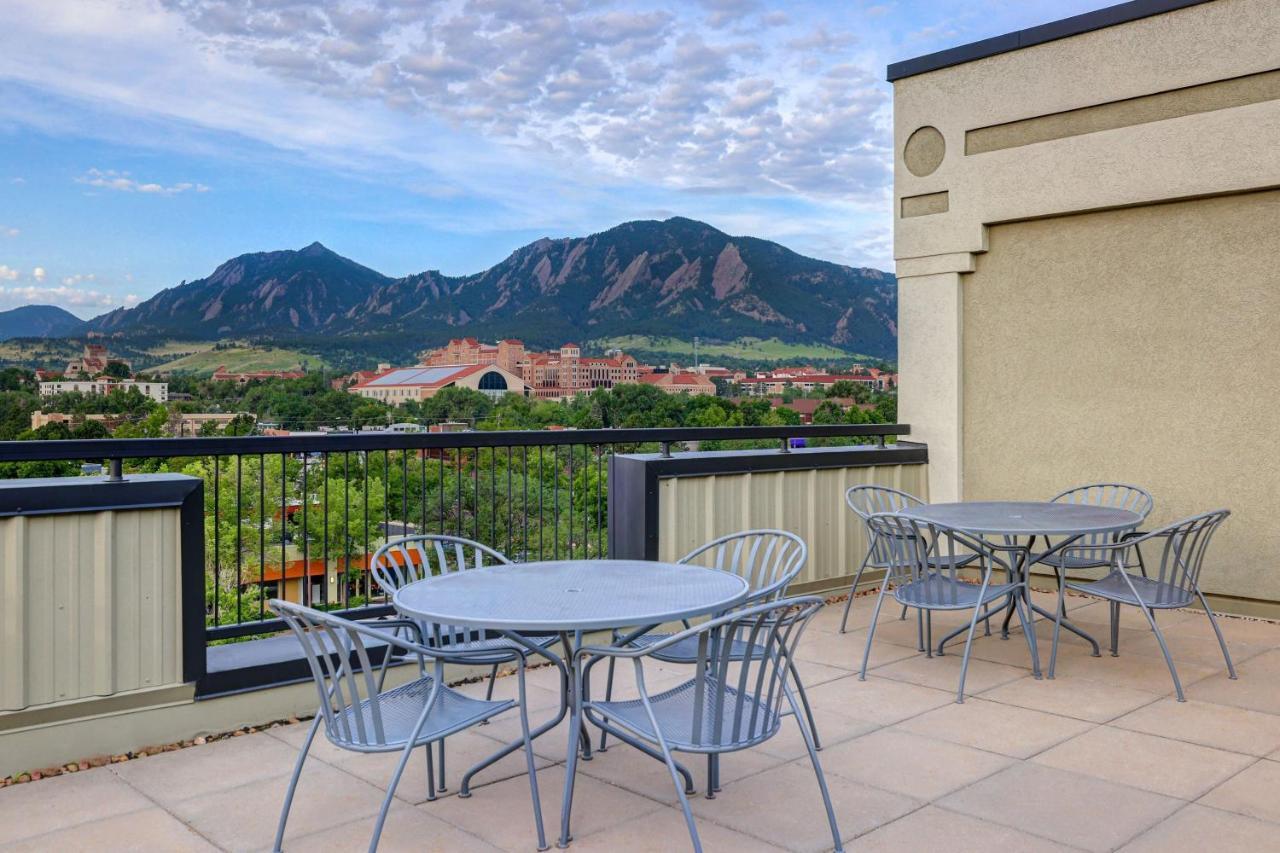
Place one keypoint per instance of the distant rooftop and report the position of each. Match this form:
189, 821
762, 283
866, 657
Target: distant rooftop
421, 375
1065, 28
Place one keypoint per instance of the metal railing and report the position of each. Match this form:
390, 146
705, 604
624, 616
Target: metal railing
300, 516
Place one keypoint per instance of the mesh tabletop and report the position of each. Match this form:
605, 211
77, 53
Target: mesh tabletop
1026, 518
570, 595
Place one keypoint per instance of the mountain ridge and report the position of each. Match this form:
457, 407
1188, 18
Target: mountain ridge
671, 277
38, 321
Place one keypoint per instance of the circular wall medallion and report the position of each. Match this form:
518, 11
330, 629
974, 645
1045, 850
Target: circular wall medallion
924, 151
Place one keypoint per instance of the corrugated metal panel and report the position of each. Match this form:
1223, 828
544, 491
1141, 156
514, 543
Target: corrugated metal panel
89, 605
810, 503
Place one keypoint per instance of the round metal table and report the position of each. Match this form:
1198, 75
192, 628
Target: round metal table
1014, 520
569, 597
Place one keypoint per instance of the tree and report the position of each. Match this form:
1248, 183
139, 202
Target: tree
241, 424
117, 370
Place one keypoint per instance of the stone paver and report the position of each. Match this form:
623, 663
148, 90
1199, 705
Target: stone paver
1101, 758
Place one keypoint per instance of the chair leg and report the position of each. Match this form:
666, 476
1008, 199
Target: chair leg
1164, 649
968, 643
293, 781
928, 633
1222, 643
391, 789
441, 786
675, 775
853, 591
804, 701
871, 632
1115, 629
528, 755
1027, 616
1057, 620
711, 776
919, 627
822, 780
431, 775
608, 695
493, 677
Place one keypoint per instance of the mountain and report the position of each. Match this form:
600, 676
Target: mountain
38, 321
307, 291
675, 278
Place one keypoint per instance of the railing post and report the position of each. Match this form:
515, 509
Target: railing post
115, 470
665, 449
786, 445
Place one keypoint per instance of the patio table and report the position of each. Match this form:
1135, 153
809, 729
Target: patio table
569, 597
1014, 520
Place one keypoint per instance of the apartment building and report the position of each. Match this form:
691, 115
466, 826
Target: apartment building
158, 391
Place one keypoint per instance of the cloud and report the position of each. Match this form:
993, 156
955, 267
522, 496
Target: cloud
78, 278
9, 232
38, 274
110, 179
8, 273
66, 297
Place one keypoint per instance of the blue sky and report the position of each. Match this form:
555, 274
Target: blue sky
142, 142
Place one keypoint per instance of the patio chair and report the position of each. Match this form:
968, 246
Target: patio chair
732, 702
360, 716
1115, 496
925, 563
1176, 583
768, 560
412, 558
866, 501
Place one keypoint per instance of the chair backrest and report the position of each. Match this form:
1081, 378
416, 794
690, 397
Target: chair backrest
767, 559
914, 551
1181, 557
738, 696
349, 700
1114, 495
403, 561
866, 501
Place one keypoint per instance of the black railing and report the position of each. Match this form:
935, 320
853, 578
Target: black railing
300, 516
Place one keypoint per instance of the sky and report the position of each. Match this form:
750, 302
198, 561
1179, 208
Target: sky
143, 142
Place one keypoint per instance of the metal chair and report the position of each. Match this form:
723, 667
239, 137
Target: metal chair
412, 558
1176, 584
1115, 496
924, 564
360, 716
732, 702
768, 560
866, 501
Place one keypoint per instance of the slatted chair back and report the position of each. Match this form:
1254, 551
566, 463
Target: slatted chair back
867, 501
1112, 495
412, 558
766, 559
737, 699
1183, 547
349, 701
930, 557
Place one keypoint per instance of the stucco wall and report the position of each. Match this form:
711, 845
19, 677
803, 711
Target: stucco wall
1137, 345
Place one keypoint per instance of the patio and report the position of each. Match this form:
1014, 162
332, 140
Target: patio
1102, 758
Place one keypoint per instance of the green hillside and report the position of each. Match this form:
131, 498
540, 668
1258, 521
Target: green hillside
746, 349
245, 358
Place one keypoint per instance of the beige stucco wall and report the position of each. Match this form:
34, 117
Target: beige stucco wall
89, 606
1137, 345
809, 502
1165, 110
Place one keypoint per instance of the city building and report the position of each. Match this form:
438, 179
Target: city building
778, 381
242, 378
92, 361
402, 384
190, 423
685, 382
39, 419
554, 375
158, 391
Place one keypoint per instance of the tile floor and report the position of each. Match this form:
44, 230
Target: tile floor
1101, 758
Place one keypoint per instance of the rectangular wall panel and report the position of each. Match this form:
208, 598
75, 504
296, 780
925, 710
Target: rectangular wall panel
89, 605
